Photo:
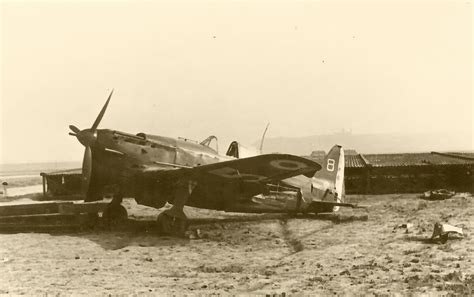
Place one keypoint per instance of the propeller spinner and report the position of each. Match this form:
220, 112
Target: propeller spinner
88, 137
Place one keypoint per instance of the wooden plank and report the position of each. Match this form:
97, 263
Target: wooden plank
40, 219
31, 209
67, 197
76, 208
24, 228
44, 185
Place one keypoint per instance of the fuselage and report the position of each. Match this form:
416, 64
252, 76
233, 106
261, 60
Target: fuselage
121, 161
155, 150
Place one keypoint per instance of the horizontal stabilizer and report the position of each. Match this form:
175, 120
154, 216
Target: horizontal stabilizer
327, 206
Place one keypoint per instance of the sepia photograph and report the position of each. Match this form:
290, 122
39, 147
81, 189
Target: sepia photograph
235, 147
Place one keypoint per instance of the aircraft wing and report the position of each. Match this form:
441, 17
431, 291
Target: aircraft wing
260, 168
236, 178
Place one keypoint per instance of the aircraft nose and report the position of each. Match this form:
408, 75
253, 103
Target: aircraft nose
87, 137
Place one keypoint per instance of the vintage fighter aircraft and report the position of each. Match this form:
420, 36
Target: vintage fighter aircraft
156, 169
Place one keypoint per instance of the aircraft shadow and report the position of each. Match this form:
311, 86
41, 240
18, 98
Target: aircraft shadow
143, 232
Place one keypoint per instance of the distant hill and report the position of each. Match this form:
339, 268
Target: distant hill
370, 143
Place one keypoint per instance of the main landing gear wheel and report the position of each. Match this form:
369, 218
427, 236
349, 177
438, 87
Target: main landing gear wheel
114, 215
171, 225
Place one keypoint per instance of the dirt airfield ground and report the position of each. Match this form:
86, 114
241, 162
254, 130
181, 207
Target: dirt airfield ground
356, 252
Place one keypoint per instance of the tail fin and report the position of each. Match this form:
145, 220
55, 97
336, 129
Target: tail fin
328, 184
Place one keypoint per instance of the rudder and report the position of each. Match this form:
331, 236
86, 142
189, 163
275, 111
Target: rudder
328, 183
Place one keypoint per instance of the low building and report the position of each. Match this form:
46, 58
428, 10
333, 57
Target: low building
408, 173
62, 183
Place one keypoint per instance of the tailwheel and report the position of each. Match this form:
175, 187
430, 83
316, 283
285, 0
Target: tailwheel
444, 238
114, 215
171, 225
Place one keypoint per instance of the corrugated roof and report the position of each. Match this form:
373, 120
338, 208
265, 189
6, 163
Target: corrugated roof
348, 152
469, 155
354, 161
416, 159
351, 161
318, 159
63, 172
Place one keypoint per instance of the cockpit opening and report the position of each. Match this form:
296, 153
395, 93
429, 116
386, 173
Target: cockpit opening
208, 142
233, 150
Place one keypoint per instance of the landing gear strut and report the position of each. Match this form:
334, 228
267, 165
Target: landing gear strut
115, 214
171, 225
173, 221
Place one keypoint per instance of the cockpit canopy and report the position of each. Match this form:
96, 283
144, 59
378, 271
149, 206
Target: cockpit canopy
237, 150
208, 142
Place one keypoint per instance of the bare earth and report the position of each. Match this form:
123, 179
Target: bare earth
234, 253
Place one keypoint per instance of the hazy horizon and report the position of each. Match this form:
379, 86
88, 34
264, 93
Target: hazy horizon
193, 69
303, 146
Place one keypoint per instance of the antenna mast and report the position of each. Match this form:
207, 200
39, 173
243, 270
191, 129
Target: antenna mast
263, 138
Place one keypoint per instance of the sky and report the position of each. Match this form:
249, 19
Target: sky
227, 68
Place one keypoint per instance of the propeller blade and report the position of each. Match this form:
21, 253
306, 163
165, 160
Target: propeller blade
86, 170
74, 129
101, 114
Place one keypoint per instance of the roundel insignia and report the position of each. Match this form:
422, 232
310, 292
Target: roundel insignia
251, 177
231, 173
287, 164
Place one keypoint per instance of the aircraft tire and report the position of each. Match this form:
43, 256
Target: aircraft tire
114, 215
169, 225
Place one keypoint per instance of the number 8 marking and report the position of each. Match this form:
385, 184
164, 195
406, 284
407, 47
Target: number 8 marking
330, 166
